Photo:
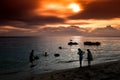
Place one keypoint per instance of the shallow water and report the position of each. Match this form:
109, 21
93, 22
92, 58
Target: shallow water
14, 53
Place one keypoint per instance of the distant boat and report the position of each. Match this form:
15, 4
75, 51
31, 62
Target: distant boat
72, 43
89, 43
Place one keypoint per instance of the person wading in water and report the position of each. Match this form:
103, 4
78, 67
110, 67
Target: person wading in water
80, 53
31, 57
89, 57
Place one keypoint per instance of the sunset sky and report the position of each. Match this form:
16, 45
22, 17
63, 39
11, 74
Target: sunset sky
59, 17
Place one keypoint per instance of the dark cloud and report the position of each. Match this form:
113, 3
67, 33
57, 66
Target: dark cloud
107, 31
62, 31
77, 31
72, 30
41, 20
47, 31
100, 9
78, 23
31, 21
13, 12
16, 9
17, 33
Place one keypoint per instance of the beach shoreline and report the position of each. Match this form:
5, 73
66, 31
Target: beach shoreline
102, 71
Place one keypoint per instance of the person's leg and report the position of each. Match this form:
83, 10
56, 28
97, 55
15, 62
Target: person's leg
80, 63
89, 63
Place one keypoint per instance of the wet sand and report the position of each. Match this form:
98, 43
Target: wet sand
103, 71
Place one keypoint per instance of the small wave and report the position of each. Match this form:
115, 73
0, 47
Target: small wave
68, 61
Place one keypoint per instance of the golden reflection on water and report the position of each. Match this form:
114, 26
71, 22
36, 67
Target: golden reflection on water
76, 38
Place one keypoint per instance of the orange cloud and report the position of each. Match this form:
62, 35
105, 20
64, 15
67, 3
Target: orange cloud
94, 23
24, 15
60, 8
12, 28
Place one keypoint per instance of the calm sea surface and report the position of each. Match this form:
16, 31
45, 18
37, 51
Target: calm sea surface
14, 54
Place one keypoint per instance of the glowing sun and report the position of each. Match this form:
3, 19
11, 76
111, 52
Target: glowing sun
75, 7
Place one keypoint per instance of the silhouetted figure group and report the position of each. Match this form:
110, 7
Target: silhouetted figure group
89, 56
80, 53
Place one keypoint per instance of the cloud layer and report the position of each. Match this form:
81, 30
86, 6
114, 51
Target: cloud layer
19, 17
12, 11
74, 30
99, 9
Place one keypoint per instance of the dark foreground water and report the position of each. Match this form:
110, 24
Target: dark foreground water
14, 54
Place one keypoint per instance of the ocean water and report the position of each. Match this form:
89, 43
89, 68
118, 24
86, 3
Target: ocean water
14, 54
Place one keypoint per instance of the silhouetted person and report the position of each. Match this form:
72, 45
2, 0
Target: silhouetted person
46, 54
89, 57
31, 57
60, 47
80, 53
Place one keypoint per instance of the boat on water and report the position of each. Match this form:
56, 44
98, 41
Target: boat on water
72, 43
89, 43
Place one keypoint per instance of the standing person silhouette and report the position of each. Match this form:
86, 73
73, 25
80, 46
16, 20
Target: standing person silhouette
89, 57
31, 57
80, 53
